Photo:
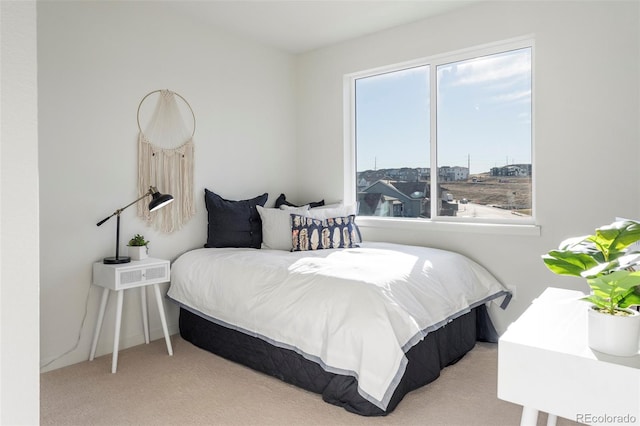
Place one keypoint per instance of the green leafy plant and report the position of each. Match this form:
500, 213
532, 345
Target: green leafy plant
606, 262
138, 241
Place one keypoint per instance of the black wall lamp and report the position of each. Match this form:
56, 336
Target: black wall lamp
159, 200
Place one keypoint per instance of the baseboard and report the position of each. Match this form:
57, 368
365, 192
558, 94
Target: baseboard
104, 347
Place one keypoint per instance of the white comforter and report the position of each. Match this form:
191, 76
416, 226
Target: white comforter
354, 311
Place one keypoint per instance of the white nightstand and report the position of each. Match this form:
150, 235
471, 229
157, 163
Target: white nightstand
545, 364
125, 276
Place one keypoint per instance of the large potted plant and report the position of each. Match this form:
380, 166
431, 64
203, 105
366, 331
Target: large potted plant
138, 247
609, 266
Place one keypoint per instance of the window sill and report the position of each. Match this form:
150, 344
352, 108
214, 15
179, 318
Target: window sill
528, 229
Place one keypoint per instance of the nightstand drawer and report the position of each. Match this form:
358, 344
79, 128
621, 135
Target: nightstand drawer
134, 274
139, 276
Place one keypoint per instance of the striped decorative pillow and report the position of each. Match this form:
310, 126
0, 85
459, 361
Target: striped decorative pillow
316, 234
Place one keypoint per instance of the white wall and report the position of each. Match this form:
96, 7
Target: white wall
96, 62
587, 69
19, 358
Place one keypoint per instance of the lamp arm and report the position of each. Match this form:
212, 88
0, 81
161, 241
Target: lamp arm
117, 212
133, 202
107, 218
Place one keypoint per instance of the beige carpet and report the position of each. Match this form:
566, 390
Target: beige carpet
195, 387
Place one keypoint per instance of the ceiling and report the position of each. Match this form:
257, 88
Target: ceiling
298, 26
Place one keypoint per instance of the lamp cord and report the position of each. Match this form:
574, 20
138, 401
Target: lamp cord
84, 318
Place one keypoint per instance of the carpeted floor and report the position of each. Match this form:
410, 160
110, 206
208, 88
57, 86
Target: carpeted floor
195, 387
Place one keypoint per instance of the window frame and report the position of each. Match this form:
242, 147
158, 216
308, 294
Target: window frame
521, 226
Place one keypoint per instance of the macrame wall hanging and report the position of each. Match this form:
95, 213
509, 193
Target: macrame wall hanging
165, 160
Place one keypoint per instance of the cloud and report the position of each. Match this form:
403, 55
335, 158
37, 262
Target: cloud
514, 96
498, 68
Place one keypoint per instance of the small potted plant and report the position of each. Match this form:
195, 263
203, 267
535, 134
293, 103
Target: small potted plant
609, 267
138, 247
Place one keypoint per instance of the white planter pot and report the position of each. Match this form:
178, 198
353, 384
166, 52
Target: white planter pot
138, 252
614, 335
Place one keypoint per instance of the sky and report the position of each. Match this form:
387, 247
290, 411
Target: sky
483, 114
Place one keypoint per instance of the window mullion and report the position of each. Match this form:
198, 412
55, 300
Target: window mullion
433, 131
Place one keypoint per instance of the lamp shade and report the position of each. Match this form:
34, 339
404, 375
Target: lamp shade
159, 200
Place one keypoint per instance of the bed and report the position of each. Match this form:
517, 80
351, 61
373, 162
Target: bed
361, 323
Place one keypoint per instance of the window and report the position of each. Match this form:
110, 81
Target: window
457, 126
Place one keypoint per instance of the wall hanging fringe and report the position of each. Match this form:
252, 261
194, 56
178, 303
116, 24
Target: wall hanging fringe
165, 160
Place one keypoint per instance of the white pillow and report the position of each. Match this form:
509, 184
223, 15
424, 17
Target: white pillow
334, 210
293, 208
276, 226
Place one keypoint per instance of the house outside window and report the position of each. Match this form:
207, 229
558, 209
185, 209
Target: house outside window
468, 115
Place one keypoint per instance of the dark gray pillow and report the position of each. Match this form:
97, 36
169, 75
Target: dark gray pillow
282, 199
233, 223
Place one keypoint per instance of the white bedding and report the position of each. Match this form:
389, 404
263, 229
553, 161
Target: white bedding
354, 311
